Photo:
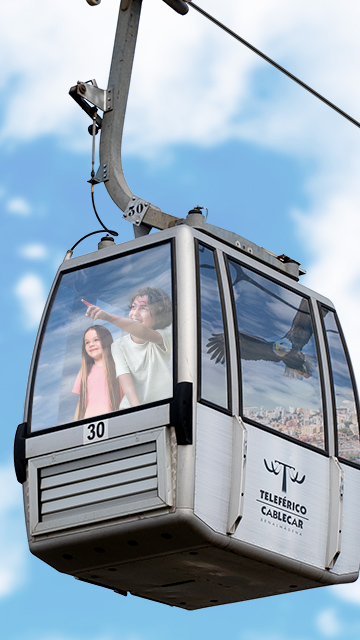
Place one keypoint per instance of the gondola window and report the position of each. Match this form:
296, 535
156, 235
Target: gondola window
345, 405
89, 347
280, 380
214, 388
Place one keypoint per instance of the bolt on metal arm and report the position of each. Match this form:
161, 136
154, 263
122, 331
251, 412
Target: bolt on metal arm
143, 214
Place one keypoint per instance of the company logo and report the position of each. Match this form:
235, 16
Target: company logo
280, 510
287, 472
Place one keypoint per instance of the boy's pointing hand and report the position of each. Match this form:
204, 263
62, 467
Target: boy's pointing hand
92, 311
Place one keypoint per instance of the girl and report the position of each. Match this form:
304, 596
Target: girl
142, 357
96, 383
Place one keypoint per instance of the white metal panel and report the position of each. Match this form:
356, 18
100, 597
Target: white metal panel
238, 473
349, 558
336, 492
119, 425
286, 506
213, 472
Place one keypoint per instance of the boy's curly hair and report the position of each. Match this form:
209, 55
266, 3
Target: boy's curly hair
159, 303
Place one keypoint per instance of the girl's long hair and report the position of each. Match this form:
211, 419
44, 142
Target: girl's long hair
87, 363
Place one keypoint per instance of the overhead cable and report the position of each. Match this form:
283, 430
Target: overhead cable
273, 63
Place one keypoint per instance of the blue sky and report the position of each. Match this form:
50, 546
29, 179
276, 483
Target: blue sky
208, 123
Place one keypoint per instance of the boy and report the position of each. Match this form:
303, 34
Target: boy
142, 357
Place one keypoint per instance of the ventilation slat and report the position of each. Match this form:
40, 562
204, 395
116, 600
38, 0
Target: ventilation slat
128, 504
95, 497
110, 480
70, 477
93, 460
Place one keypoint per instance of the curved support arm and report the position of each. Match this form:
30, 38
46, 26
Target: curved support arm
113, 122
119, 82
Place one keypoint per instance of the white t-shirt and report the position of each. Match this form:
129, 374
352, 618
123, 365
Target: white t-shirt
149, 365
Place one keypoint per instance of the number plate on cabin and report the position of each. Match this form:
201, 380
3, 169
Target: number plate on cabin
94, 431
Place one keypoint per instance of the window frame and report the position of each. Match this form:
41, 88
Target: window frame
308, 297
225, 320
321, 305
87, 262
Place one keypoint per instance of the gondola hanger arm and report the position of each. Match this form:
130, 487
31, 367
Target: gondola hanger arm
140, 212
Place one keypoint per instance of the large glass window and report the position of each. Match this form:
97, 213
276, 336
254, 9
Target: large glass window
345, 405
280, 383
213, 353
107, 344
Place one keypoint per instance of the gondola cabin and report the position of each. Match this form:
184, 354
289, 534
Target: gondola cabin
235, 474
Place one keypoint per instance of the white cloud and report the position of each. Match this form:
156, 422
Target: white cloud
328, 623
12, 533
40, 44
30, 291
18, 206
331, 230
34, 251
349, 592
191, 81
193, 84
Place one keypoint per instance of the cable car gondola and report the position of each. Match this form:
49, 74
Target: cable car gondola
233, 472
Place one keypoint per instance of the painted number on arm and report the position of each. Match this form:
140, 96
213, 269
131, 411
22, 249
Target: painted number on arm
95, 431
